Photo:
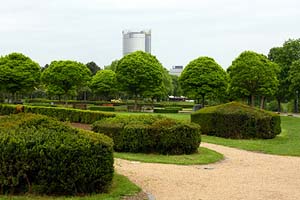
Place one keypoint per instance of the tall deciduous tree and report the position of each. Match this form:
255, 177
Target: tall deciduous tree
203, 77
252, 74
93, 67
65, 77
139, 74
177, 91
284, 56
104, 84
18, 73
112, 66
294, 78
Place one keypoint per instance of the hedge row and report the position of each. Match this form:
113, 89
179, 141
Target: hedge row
44, 156
102, 108
150, 134
63, 114
156, 104
235, 120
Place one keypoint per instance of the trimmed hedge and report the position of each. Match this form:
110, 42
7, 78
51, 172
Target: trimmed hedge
150, 134
235, 120
44, 156
161, 110
102, 108
62, 114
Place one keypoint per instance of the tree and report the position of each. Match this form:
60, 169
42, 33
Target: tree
93, 67
203, 77
112, 66
294, 78
18, 73
139, 74
177, 91
252, 74
104, 83
284, 56
65, 77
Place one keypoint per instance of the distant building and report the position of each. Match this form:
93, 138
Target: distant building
176, 70
135, 41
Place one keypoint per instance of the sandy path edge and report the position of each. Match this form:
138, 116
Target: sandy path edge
242, 175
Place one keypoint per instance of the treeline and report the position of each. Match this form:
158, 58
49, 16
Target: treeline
252, 77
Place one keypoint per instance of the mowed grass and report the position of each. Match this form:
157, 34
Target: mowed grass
204, 156
121, 187
180, 116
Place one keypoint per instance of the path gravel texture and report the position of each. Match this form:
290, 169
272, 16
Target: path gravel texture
242, 175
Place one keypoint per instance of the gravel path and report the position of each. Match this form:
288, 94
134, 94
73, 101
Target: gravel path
243, 175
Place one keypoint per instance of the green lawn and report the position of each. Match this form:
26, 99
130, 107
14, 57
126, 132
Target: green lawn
287, 143
204, 156
121, 187
180, 116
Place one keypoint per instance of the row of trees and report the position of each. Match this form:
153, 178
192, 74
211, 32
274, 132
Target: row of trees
141, 75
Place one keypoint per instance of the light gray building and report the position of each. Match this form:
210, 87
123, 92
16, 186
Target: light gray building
176, 70
136, 40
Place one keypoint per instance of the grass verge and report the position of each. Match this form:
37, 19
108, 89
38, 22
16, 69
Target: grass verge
205, 156
287, 143
121, 187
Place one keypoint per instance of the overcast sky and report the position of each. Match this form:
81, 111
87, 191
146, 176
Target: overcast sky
91, 30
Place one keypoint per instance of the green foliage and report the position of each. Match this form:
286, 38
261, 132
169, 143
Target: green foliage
18, 73
65, 77
253, 74
41, 155
273, 106
177, 91
104, 84
203, 77
166, 110
60, 113
93, 67
149, 133
112, 66
287, 143
284, 56
102, 108
139, 74
294, 77
235, 120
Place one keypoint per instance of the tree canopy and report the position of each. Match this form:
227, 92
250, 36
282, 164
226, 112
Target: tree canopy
139, 74
203, 77
104, 84
284, 56
93, 67
18, 73
65, 77
252, 74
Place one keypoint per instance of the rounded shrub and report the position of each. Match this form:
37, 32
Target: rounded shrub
235, 120
41, 155
150, 134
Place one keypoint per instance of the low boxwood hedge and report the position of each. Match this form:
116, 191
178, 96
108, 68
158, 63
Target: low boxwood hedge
150, 134
41, 155
102, 108
162, 110
235, 120
62, 114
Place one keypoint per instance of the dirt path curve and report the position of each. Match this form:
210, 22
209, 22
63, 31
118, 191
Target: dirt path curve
243, 175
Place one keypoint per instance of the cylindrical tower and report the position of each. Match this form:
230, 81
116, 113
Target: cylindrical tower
135, 41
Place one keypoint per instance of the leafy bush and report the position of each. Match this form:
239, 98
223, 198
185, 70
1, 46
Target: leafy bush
149, 134
102, 108
273, 106
235, 120
63, 114
41, 155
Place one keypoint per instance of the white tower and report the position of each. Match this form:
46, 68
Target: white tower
136, 40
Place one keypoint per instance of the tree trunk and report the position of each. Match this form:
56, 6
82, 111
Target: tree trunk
252, 100
278, 105
203, 101
262, 102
